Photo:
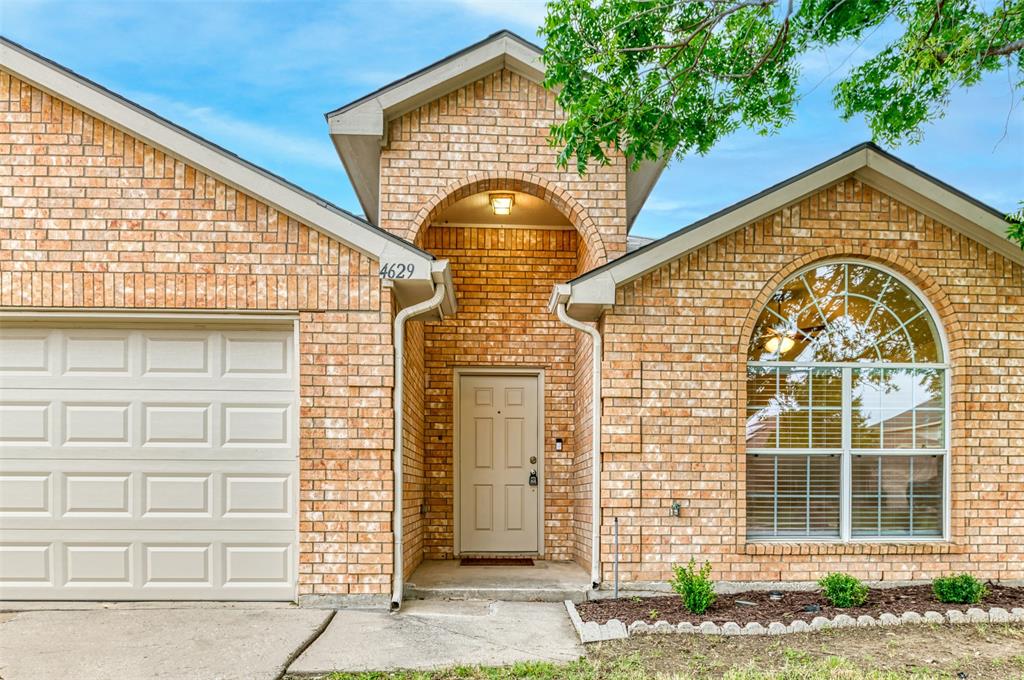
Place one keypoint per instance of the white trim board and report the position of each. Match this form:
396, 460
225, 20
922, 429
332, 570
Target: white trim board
588, 295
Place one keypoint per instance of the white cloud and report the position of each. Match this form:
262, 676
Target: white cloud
246, 138
655, 204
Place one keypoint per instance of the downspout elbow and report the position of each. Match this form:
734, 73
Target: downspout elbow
398, 577
595, 431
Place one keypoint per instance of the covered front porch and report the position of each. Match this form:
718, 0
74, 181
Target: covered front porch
544, 581
496, 455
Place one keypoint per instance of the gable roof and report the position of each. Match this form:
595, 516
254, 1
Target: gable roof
306, 207
359, 129
591, 293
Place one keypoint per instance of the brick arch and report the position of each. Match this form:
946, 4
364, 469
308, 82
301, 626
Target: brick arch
556, 196
955, 356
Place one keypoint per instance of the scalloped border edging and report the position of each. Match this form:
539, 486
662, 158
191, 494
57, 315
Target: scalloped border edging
591, 631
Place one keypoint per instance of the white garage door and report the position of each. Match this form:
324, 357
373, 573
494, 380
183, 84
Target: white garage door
148, 463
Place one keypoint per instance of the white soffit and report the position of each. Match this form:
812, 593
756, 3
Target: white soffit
100, 102
595, 290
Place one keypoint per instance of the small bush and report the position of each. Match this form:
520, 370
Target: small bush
959, 589
843, 590
695, 587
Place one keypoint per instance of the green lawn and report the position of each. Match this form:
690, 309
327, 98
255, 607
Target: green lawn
983, 652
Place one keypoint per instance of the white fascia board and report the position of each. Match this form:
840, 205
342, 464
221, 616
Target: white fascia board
905, 184
653, 256
198, 153
948, 207
360, 154
370, 115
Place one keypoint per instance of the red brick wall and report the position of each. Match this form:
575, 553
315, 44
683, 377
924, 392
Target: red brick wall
91, 217
675, 389
503, 278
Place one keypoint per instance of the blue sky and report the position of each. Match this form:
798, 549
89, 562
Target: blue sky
256, 77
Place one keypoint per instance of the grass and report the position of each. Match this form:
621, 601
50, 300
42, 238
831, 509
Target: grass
938, 652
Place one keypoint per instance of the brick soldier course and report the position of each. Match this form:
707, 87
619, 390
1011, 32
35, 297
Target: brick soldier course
94, 216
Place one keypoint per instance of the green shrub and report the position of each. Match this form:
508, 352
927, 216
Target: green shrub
695, 587
959, 589
843, 590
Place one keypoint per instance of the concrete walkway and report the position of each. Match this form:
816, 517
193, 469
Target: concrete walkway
543, 582
147, 641
433, 634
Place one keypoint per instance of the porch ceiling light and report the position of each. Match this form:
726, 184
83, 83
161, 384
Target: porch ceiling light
502, 204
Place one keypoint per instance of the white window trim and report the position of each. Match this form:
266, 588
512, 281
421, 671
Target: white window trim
846, 451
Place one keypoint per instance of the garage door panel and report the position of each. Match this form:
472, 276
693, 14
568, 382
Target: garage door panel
24, 422
147, 359
250, 565
124, 423
159, 495
147, 463
25, 351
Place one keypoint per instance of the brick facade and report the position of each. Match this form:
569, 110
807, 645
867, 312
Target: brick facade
491, 135
675, 368
91, 217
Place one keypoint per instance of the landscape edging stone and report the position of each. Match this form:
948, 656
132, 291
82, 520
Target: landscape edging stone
591, 631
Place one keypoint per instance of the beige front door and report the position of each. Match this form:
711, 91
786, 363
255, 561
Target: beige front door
498, 433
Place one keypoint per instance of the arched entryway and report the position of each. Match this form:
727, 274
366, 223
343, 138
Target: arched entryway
506, 363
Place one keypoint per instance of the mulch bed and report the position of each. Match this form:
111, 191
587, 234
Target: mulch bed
790, 608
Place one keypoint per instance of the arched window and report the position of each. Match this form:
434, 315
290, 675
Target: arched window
846, 410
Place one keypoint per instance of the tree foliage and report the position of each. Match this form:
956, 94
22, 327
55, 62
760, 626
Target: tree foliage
652, 78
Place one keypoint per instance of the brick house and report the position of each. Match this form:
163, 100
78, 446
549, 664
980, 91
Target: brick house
219, 386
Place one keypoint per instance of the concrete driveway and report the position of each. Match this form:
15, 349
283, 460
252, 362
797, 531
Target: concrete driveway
147, 641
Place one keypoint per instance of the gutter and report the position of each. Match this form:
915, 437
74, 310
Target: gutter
435, 302
558, 300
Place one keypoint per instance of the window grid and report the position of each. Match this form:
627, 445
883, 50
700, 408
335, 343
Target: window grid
846, 494
847, 451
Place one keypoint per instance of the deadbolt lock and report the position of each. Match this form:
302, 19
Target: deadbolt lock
533, 460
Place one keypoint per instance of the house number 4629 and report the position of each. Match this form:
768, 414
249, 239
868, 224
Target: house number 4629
397, 270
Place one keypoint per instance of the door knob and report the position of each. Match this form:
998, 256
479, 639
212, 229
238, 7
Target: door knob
533, 478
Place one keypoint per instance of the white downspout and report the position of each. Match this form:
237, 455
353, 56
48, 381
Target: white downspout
398, 578
595, 445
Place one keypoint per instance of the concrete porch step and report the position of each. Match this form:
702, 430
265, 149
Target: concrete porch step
543, 582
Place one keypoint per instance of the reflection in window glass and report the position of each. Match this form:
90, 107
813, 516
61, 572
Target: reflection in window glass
842, 376
898, 409
844, 312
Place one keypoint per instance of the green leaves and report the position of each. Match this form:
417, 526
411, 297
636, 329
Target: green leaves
959, 589
843, 590
694, 586
661, 78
